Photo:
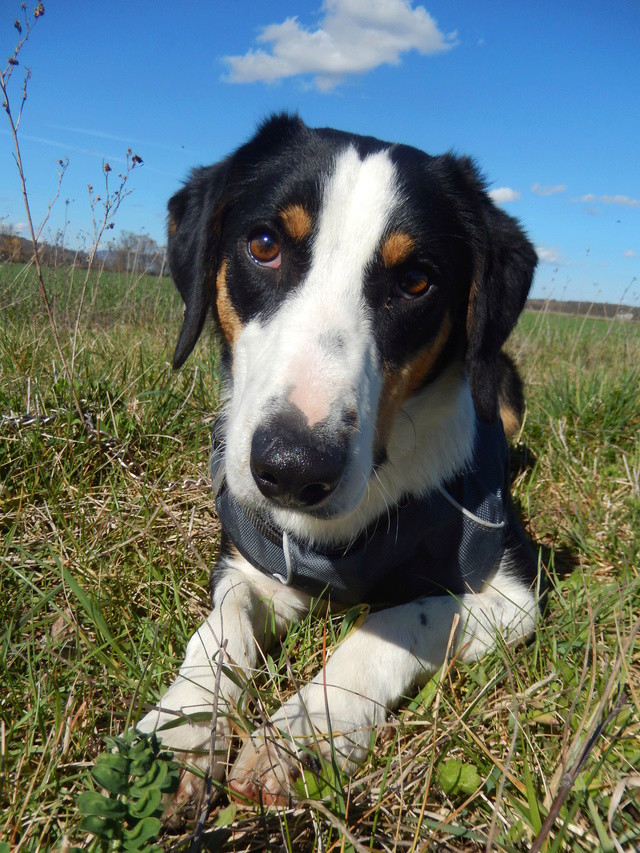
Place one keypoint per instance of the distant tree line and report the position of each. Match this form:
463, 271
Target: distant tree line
135, 253
608, 310
130, 253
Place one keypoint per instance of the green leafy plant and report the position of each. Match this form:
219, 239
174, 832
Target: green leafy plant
321, 784
135, 774
458, 778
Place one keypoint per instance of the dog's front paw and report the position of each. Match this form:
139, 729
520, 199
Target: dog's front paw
266, 769
270, 761
180, 806
190, 743
273, 770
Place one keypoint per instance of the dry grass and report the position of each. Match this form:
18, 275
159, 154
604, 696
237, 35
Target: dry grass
107, 540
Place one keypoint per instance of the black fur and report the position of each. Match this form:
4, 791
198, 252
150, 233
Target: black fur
478, 256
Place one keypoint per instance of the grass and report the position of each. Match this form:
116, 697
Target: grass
107, 537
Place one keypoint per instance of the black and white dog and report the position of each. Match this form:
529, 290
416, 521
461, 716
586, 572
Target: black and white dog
363, 291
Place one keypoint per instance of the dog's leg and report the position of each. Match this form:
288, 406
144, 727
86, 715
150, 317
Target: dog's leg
249, 610
391, 653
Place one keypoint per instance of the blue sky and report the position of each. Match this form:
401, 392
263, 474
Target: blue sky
546, 97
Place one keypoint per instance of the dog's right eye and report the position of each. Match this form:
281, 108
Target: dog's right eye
414, 284
264, 249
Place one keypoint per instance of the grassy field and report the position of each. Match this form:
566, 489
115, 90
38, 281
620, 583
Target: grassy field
108, 534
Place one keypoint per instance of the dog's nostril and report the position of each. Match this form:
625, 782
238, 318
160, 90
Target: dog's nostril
267, 478
315, 492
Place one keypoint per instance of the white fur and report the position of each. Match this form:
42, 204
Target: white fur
288, 358
385, 658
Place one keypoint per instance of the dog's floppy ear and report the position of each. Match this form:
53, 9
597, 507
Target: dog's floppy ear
195, 223
505, 262
194, 232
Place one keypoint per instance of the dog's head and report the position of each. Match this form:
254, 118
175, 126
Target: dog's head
347, 276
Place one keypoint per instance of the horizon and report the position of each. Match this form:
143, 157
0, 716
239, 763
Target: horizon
544, 99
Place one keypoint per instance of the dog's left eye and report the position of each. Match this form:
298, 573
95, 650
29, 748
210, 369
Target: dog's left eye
264, 249
414, 283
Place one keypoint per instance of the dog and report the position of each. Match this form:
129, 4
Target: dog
363, 292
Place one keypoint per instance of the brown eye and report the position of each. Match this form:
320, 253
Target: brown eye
415, 283
264, 249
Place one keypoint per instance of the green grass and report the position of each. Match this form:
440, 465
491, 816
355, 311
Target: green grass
107, 538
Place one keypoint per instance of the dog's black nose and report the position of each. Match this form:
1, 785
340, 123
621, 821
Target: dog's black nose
293, 465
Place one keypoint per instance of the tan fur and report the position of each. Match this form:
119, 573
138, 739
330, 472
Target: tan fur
510, 420
396, 248
297, 221
230, 323
400, 383
471, 309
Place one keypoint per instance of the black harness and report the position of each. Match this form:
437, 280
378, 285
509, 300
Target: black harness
448, 540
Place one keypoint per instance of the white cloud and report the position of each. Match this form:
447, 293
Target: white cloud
620, 199
611, 199
549, 255
354, 36
8, 227
538, 190
629, 254
503, 194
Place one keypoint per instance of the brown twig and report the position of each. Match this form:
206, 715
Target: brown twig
4, 79
110, 205
209, 793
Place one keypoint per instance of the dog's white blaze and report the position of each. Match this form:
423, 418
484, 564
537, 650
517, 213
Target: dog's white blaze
357, 200
318, 350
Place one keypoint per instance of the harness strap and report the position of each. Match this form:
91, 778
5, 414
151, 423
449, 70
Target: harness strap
457, 531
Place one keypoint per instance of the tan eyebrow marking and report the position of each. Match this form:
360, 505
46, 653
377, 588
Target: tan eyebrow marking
296, 221
396, 248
